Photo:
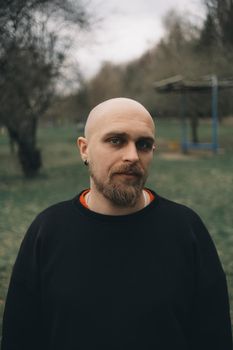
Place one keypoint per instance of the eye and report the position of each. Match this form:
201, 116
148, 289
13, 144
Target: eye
116, 141
144, 145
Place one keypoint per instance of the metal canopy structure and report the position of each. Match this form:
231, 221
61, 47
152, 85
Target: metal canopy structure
177, 84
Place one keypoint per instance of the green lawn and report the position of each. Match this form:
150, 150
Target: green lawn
201, 181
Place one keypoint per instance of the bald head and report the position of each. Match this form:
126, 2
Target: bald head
113, 108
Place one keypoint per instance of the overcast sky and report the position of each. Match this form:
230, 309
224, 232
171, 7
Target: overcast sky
127, 28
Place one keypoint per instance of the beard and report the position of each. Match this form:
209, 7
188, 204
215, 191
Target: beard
123, 186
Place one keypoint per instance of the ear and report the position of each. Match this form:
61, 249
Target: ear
82, 144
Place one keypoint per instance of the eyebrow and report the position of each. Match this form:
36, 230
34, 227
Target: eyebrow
125, 135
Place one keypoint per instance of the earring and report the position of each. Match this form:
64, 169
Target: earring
85, 162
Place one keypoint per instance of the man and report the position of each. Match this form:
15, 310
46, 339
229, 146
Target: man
117, 267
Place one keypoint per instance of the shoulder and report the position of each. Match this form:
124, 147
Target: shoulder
177, 211
56, 209
192, 224
51, 219
59, 211
181, 217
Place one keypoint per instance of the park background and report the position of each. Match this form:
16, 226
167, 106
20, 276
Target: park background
45, 98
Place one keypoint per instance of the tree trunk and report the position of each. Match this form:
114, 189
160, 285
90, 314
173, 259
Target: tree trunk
30, 159
12, 143
25, 138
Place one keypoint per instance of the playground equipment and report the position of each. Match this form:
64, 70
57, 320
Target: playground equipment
178, 84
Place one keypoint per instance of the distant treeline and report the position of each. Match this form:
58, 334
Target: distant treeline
195, 52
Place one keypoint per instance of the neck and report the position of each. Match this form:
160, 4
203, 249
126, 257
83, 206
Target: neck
99, 204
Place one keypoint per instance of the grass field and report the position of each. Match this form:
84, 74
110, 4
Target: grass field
200, 180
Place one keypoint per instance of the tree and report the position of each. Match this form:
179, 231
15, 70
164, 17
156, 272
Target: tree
216, 46
106, 84
221, 12
32, 52
209, 39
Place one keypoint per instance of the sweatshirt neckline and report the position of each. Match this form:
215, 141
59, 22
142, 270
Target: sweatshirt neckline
115, 218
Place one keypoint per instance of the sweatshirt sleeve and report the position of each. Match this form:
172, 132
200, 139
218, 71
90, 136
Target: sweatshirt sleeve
21, 320
211, 326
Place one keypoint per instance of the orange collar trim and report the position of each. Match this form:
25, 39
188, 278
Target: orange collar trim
84, 193
82, 198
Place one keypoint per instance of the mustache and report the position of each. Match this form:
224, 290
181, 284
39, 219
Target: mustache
129, 169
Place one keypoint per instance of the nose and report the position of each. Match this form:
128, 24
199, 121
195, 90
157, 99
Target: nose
130, 153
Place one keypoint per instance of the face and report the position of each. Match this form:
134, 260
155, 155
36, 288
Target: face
119, 151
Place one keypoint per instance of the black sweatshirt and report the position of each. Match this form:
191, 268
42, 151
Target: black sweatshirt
148, 280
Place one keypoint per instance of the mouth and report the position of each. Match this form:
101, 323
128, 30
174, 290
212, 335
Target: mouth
128, 173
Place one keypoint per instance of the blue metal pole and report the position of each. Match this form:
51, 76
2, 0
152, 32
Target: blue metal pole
214, 113
184, 142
